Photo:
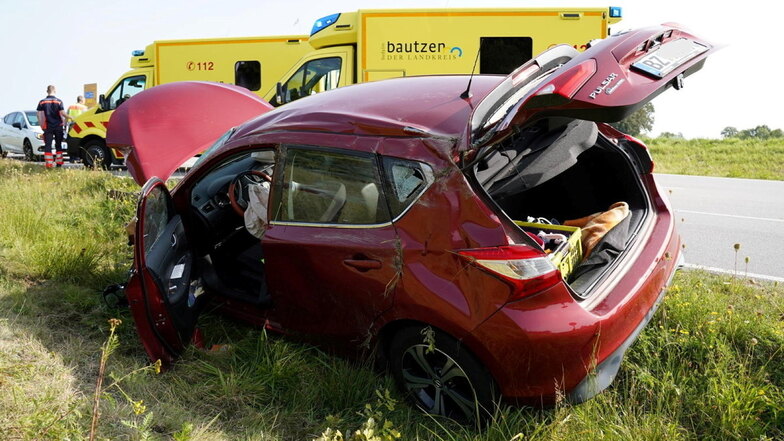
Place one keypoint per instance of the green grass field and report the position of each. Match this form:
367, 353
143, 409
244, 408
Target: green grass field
710, 366
731, 158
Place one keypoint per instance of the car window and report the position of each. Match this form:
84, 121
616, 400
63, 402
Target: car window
407, 180
157, 213
19, 119
33, 118
126, 89
330, 187
8, 118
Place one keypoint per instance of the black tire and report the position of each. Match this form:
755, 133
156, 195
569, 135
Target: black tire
96, 155
27, 148
443, 378
3, 153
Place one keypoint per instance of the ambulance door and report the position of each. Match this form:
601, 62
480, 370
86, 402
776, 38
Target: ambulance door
320, 71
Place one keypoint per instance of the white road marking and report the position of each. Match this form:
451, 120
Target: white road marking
739, 274
766, 219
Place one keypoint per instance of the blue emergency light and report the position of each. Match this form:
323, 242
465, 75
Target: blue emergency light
615, 12
324, 22
137, 53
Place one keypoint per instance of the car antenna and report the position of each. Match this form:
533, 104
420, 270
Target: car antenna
467, 93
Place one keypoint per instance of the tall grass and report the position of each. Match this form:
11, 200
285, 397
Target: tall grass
710, 365
731, 158
61, 224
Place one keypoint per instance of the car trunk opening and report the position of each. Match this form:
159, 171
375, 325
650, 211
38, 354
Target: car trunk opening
562, 169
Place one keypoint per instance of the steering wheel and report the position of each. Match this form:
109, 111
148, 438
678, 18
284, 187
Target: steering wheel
238, 189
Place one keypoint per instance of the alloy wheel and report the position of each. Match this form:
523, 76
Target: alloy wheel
439, 383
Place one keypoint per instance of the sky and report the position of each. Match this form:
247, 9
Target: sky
72, 43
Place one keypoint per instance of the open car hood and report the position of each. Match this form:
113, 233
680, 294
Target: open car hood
606, 83
160, 128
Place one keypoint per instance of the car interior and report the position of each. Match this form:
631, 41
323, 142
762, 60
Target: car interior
232, 261
561, 169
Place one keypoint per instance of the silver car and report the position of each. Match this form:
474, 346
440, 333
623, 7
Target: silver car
20, 132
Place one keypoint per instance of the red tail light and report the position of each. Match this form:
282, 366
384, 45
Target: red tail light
568, 83
528, 270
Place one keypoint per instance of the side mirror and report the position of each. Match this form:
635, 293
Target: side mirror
103, 103
279, 94
18, 125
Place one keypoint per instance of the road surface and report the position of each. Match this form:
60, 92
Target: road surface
714, 214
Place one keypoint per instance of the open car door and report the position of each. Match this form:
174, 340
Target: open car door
164, 291
606, 83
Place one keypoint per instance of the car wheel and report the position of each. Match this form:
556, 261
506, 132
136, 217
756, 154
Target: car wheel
3, 153
27, 148
95, 155
441, 376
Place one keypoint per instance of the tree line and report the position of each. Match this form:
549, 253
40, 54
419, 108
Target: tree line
759, 132
641, 121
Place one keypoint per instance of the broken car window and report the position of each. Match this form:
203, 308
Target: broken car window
408, 180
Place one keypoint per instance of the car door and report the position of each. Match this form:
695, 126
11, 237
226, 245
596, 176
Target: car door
17, 135
606, 83
330, 252
164, 291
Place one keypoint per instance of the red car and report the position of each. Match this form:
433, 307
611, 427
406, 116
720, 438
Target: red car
387, 219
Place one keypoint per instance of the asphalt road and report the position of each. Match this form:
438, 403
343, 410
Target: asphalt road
714, 214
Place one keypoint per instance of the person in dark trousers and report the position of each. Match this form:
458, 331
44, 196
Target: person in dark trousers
52, 117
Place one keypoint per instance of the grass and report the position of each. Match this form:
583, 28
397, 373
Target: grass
710, 366
731, 158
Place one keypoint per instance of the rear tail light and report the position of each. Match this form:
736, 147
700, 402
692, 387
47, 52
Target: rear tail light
528, 270
569, 82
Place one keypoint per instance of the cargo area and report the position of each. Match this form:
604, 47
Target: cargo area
563, 169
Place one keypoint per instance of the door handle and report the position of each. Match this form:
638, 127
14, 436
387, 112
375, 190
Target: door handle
363, 264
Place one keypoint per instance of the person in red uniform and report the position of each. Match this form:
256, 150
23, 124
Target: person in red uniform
52, 117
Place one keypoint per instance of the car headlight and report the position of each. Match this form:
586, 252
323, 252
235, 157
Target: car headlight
39, 135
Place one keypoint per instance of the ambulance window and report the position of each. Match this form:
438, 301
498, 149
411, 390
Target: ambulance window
248, 74
502, 55
313, 77
126, 89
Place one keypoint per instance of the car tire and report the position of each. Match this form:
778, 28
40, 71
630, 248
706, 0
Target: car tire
441, 376
3, 153
96, 155
27, 148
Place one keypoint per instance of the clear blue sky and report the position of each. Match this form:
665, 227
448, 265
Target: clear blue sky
84, 41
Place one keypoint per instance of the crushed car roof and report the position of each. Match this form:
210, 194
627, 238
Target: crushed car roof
428, 105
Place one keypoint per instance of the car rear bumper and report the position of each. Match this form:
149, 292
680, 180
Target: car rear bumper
603, 375
550, 345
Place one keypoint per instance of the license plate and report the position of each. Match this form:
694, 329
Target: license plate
669, 56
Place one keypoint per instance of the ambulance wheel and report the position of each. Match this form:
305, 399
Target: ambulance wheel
28, 151
95, 155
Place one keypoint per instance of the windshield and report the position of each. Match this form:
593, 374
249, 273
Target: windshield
32, 116
215, 146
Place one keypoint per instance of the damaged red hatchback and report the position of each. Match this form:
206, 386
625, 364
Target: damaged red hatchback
386, 214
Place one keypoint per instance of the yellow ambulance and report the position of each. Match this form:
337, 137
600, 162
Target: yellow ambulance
256, 63
370, 45
343, 49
